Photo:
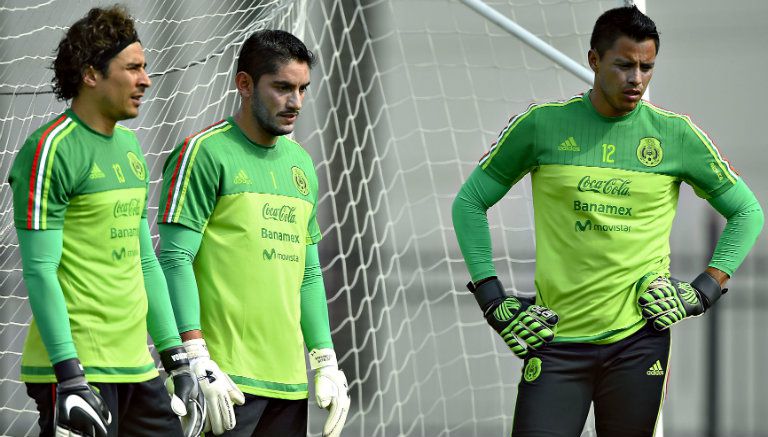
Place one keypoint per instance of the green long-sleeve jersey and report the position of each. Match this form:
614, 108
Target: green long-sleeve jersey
250, 214
94, 283
605, 193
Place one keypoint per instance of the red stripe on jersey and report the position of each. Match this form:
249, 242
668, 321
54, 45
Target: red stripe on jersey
174, 177
43, 138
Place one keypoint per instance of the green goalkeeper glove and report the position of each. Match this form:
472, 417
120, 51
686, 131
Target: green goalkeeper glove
666, 301
521, 324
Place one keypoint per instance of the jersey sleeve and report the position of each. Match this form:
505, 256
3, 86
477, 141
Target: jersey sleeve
512, 155
190, 186
313, 228
41, 180
704, 167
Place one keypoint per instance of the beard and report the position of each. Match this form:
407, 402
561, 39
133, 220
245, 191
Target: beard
266, 121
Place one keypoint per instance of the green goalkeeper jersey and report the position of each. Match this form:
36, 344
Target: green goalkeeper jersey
93, 187
256, 209
605, 192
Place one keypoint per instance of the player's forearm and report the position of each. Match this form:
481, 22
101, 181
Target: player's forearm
314, 306
178, 248
161, 322
40, 255
744, 222
470, 222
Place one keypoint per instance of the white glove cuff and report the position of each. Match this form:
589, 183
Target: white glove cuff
319, 358
196, 348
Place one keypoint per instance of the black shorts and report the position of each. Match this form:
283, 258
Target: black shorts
138, 409
269, 417
625, 380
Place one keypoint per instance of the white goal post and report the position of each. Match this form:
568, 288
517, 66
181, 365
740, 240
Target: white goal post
406, 96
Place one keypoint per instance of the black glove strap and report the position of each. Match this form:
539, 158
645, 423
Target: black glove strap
174, 357
708, 288
68, 369
487, 291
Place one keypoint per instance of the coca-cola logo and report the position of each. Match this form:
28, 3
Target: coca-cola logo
610, 187
282, 213
130, 208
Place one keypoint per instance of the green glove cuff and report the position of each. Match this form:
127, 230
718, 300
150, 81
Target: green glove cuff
708, 288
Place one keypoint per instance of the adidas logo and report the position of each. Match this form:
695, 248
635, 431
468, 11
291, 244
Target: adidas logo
655, 370
569, 145
242, 178
96, 172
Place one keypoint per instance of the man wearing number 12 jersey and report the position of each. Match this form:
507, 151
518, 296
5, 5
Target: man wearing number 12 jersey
606, 169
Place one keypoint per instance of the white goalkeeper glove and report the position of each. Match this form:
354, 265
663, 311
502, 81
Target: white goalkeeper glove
80, 410
330, 390
218, 389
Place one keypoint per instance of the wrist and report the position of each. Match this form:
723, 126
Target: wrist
196, 348
487, 292
708, 288
174, 357
68, 369
322, 358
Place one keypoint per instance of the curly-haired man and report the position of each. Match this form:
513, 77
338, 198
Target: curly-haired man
95, 287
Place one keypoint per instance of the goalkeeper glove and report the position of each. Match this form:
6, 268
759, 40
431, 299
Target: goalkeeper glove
80, 410
218, 389
521, 324
187, 400
666, 301
330, 390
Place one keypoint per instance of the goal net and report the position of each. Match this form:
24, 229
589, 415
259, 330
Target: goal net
405, 98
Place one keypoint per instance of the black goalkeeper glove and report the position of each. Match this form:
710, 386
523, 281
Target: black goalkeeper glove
521, 324
187, 399
666, 301
80, 410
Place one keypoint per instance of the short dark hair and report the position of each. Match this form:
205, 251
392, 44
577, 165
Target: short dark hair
266, 50
624, 21
91, 42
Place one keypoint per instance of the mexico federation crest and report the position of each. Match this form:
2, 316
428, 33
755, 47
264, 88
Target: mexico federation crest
649, 152
532, 370
300, 180
136, 166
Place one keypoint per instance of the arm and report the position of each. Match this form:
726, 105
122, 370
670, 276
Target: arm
476, 196
314, 306
521, 324
744, 221
668, 301
178, 248
40, 256
331, 389
160, 320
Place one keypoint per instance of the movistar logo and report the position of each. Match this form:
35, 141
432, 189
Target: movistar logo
269, 255
611, 187
656, 369
242, 178
569, 145
96, 172
583, 226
